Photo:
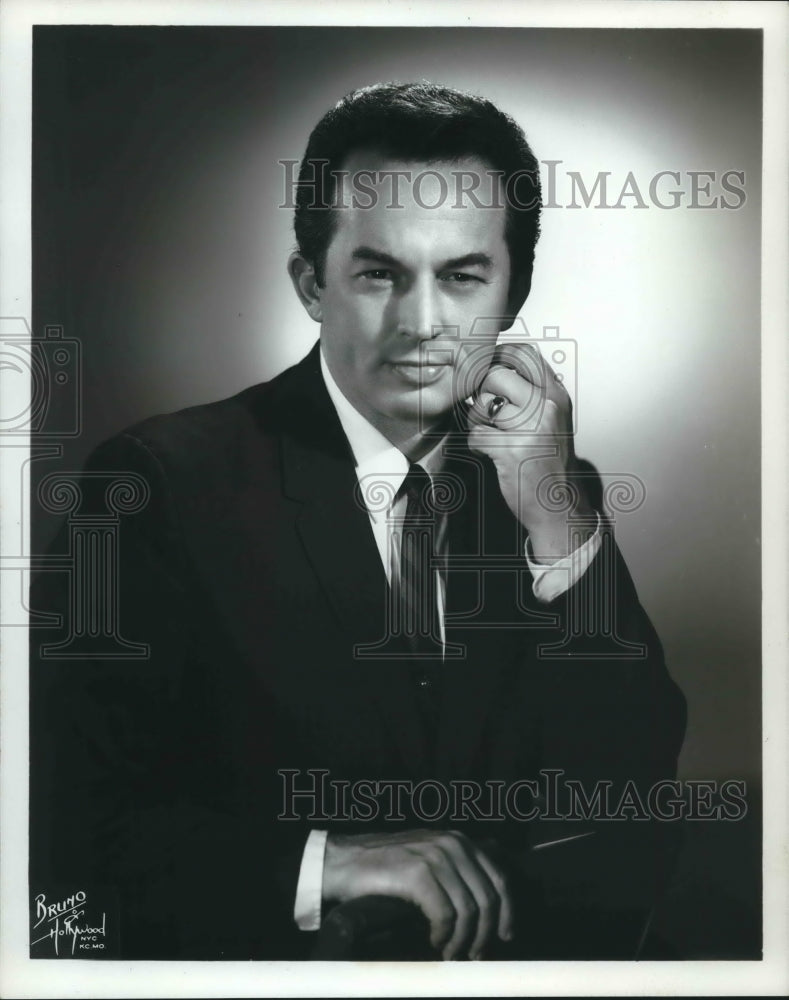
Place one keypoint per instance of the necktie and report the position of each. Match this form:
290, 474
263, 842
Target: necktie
418, 597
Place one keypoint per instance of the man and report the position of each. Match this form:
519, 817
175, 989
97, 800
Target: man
359, 573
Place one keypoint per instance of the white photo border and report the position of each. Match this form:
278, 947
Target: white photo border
22, 977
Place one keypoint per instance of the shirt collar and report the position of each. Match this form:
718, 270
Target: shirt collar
375, 456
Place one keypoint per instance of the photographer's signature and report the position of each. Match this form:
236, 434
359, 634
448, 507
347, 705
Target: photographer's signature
64, 922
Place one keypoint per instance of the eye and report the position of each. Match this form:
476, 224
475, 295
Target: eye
377, 274
462, 278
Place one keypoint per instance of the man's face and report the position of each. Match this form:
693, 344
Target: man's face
403, 287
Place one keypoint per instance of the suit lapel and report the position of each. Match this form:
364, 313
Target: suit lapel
319, 472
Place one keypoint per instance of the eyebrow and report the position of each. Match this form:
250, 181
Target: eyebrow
467, 260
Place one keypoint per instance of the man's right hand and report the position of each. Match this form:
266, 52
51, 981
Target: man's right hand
460, 890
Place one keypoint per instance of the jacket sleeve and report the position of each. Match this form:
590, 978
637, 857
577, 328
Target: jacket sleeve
609, 707
608, 724
124, 787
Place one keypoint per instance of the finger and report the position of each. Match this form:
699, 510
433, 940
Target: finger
520, 392
463, 902
491, 409
528, 362
429, 894
509, 380
525, 359
522, 359
487, 895
506, 912
522, 412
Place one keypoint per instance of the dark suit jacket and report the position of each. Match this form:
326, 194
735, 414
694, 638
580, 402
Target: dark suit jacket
252, 574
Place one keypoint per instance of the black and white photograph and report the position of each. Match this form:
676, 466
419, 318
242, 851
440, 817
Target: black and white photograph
394, 539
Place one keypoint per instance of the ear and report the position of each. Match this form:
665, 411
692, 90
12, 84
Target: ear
302, 274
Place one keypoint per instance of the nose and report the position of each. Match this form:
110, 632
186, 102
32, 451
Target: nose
419, 310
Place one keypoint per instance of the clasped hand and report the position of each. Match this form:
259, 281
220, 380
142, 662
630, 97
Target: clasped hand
461, 891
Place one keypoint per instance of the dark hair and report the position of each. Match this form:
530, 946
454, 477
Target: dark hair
427, 123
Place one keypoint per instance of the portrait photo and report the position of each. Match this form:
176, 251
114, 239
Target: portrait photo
388, 537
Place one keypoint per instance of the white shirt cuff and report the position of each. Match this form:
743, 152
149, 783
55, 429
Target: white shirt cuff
309, 891
549, 580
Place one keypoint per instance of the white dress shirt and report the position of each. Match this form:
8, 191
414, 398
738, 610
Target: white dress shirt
378, 461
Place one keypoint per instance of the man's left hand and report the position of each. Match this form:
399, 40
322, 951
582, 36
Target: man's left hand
522, 420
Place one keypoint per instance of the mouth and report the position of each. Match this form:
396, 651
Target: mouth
419, 374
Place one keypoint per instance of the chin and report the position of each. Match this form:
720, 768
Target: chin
426, 406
